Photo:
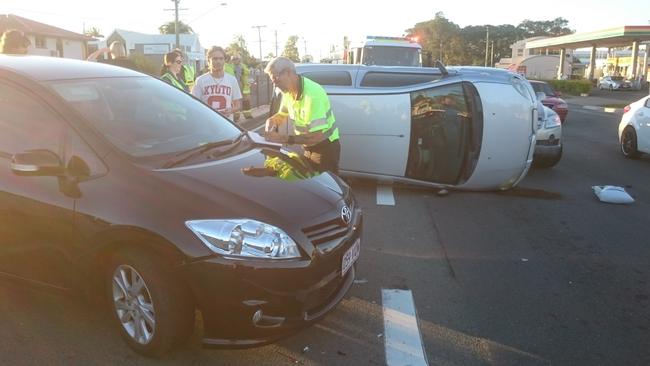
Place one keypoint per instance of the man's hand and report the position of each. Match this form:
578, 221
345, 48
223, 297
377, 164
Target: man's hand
276, 137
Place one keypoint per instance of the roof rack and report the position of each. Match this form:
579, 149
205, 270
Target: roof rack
441, 67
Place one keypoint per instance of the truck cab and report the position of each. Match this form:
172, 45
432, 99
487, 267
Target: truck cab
385, 51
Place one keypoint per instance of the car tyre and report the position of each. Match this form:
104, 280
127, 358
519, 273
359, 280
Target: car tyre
629, 143
548, 162
150, 307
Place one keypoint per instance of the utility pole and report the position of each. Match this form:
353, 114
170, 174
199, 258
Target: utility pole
176, 9
276, 43
259, 37
305, 56
492, 54
487, 44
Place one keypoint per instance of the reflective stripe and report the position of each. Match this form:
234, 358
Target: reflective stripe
172, 80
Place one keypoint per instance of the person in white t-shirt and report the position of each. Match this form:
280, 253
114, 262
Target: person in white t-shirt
218, 89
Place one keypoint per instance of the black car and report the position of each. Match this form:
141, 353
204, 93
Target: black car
114, 182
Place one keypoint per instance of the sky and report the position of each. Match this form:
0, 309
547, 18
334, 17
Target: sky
320, 25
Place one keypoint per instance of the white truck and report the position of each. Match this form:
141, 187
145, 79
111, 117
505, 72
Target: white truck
386, 51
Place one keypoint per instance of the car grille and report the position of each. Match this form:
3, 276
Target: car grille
329, 230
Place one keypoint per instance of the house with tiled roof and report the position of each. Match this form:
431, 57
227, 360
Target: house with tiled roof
47, 40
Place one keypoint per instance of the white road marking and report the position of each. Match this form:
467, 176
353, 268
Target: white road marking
402, 338
385, 195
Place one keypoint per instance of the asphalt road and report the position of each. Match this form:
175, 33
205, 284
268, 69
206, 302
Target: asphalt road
542, 274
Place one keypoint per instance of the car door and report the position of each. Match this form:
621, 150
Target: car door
643, 118
36, 214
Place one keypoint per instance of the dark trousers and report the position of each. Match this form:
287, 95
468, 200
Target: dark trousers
324, 156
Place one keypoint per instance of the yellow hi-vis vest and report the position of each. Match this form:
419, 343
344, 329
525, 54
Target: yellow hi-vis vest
189, 75
244, 85
311, 112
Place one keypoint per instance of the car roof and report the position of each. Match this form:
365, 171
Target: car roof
43, 68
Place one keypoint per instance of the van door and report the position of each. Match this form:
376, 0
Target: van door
445, 137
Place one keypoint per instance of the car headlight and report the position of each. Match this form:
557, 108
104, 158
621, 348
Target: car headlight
552, 120
244, 238
561, 105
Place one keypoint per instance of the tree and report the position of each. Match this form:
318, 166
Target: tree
93, 32
291, 50
555, 27
439, 38
170, 28
238, 46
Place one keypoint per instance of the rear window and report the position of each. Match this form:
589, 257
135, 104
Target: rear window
381, 79
337, 78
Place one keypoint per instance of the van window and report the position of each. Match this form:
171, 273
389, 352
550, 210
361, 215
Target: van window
388, 79
337, 78
444, 126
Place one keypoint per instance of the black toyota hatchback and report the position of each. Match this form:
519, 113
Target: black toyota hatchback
114, 182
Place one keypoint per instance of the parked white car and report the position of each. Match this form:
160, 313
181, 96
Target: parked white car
613, 83
462, 127
634, 129
548, 149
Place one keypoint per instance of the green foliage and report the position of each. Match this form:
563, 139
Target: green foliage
170, 28
145, 65
444, 40
238, 46
291, 50
572, 87
93, 32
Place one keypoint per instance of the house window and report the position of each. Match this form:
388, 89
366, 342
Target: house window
39, 42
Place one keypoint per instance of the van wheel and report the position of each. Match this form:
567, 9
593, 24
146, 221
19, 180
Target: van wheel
629, 144
150, 307
548, 162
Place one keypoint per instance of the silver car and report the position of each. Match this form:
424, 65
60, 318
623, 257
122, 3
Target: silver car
548, 149
462, 127
612, 83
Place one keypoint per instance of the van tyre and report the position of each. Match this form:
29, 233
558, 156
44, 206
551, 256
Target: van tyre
548, 162
150, 307
629, 143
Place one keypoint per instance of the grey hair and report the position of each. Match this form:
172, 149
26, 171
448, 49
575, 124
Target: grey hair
279, 64
117, 49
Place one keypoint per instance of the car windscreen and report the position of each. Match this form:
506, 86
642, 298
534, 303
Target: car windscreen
391, 56
143, 116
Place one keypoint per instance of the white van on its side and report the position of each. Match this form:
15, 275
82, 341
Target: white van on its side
466, 127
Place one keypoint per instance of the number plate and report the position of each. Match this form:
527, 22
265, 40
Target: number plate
350, 257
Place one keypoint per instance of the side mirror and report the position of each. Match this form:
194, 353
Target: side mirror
37, 163
540, 96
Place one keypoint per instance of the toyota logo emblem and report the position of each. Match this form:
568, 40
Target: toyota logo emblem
346, 214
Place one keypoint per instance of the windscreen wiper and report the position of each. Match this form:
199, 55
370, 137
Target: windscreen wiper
201, 149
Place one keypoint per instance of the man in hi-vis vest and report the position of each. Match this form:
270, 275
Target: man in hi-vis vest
306, 106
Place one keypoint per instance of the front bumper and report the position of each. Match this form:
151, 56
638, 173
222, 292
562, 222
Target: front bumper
249, 303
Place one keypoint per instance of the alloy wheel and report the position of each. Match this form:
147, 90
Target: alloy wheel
133, 304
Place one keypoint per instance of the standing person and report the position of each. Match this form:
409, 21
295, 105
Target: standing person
240, 71
216, 88
117, 56
14, 42
188, 71
306, 105
172, 69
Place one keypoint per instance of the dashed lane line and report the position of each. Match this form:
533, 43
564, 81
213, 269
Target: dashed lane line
402, 338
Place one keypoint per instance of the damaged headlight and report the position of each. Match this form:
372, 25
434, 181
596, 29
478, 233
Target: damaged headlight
244, 238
